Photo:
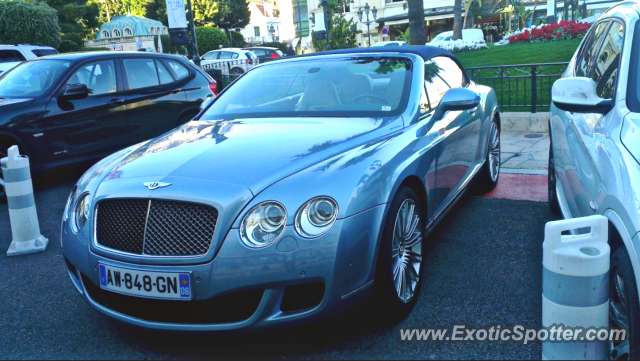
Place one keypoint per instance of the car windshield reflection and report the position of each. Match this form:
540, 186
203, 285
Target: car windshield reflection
357, 87
31, 79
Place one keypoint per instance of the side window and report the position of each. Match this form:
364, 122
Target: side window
451, 72
99, 77
605, 70
44, 52
436, 86
591, 50
234, 55
11, 56
226, 55
141, 73
179, 71
259, 52
163, 73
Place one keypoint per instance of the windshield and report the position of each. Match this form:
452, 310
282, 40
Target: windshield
355, 87
32, 79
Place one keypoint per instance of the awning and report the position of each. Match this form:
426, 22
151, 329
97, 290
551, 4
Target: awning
397, 22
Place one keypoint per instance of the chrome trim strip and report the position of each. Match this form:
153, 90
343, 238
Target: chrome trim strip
361, 288
146, 221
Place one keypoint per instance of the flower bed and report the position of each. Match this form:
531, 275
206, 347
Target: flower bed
564, 30
460, 46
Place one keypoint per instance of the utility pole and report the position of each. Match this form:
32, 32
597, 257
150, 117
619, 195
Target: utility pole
194, 40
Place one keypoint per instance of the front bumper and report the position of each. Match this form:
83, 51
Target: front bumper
273, 285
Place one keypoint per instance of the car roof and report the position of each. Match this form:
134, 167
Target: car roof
425, 52
26, 46
102, 54
261, 47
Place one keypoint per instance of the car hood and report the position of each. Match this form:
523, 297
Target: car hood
253, 153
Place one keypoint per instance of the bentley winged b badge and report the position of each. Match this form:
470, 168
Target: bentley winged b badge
156, 185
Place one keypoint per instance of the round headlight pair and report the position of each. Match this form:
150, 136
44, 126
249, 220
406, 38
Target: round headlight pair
265, 223
80, 213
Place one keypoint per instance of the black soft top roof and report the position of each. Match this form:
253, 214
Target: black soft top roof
425, 52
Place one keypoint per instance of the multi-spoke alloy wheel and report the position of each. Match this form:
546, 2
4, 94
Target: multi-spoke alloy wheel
618, 315
406, 250
400, 261
494, 152
624, 307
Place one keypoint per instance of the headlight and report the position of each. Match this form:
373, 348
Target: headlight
67, 207
316, 217
81, 211
263, 224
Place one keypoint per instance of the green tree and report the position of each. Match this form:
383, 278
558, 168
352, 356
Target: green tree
33, 22
78, 19
230, 11
342, 31
209, 38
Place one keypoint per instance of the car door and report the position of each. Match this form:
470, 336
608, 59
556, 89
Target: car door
154, 97
456, 154
569, 131
589, 127
93, 125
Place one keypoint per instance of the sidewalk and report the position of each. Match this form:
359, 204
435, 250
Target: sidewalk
523, 171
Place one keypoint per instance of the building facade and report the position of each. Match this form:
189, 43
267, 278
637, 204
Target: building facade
271, 20
128, 33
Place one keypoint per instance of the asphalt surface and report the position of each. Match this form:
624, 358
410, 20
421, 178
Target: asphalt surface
483, 267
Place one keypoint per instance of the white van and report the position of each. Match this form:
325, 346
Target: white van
467, 35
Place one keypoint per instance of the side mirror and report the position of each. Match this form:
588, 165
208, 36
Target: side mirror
579, 95
75, 92
457, 99
205, 104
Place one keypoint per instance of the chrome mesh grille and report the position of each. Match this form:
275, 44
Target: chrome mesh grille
155, 227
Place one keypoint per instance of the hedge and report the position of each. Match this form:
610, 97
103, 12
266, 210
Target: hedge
209, 38
28, 23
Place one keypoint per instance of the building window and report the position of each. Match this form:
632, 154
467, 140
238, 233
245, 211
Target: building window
165, 31
117, 33
153, 30
128, 32
256, 30
105, 34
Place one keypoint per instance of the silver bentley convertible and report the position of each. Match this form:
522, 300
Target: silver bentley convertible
305, 186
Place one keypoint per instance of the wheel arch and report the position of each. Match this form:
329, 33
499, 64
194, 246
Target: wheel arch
9, 139
619, 237
412, 181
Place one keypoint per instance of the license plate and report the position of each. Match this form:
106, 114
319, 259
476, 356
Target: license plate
150, 284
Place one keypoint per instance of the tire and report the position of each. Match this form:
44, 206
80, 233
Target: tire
236, 71
554, 205
490, 173
3, 153
404, 257
623, 300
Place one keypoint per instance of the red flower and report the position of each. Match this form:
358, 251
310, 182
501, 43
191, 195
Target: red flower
558, 34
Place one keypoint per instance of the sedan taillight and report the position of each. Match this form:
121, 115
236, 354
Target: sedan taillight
214, 87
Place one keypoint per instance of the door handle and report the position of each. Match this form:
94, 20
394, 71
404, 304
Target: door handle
175, 91
115, 102
473, 111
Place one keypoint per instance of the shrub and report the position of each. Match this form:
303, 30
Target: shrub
75, 37
32, 22
209, 38
171, 49
68, 46
461, 46
564, 30
238, 40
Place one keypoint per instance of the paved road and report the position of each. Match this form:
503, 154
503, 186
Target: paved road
483, 268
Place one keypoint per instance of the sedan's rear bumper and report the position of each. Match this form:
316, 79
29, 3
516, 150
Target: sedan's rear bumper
246, 288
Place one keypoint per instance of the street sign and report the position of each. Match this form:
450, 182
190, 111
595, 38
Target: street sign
385, 31
116, 48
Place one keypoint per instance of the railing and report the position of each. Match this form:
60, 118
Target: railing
120, 40
520, 87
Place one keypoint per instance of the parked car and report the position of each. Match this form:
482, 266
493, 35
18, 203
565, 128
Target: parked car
12, 55
467, 35
72, 107
232, 61
292, 191
263, 52
390, 43
595, 149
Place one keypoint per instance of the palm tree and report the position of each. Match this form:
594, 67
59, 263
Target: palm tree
457, 20
416, 22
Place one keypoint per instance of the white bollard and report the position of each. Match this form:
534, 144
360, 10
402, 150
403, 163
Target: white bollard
575, 285
22, 207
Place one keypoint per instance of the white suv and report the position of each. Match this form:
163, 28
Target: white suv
232, 61
12, 55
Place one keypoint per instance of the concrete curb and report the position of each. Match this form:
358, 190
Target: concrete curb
525, 122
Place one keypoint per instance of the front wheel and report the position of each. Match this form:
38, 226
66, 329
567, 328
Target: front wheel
490, 172
400, 262
624, 307
554, 205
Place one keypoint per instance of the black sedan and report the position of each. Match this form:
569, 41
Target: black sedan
73, 107
264, 52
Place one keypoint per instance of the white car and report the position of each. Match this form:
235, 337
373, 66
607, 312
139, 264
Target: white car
594, 158
232, 61
390, 43
12, 55
467, 35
